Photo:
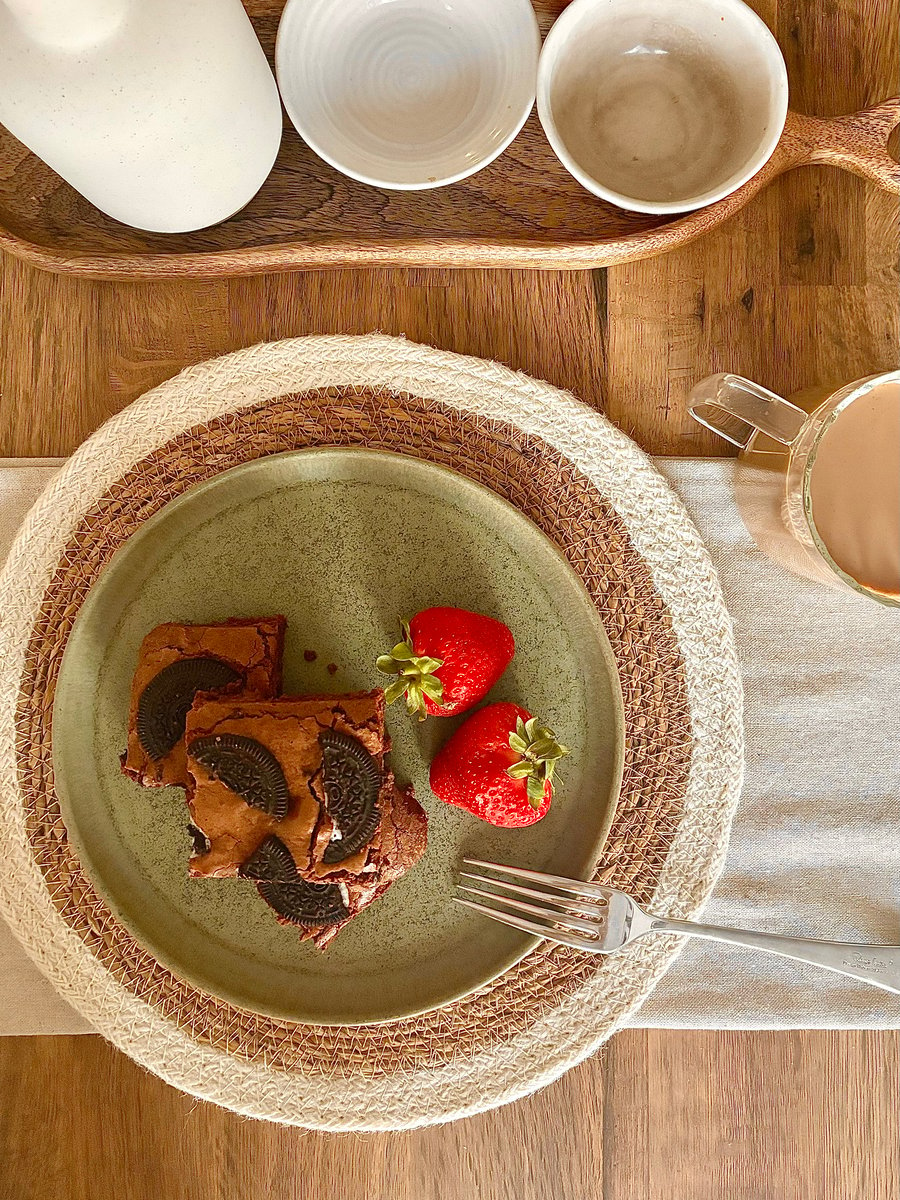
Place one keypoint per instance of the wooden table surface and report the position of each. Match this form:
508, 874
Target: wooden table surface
799, 289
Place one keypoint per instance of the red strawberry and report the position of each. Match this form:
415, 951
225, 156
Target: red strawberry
449, 660
499, 765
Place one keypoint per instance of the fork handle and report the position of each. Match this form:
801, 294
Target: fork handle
879, 965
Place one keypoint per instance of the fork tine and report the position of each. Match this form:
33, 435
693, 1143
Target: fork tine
582, 902
567, 939
560, 919
594, 891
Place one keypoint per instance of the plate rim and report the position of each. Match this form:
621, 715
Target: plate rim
145, 531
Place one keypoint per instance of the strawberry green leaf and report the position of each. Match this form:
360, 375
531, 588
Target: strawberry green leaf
387, 665
416, 674
535, 791
544, 749
394, 691
538, 752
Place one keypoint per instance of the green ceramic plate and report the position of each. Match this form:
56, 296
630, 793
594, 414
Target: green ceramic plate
343, 542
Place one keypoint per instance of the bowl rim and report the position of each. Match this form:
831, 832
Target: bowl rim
294, 6
554, 41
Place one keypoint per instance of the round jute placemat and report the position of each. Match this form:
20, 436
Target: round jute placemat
640, 559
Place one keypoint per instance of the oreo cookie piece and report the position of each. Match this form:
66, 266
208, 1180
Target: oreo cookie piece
275, 873
305, 903
247, 768
164, 703
352, 782
270, 860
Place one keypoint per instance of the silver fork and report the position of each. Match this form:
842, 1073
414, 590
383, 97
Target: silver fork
602, 920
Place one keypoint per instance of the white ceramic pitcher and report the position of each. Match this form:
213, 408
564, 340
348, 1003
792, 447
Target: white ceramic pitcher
164, 114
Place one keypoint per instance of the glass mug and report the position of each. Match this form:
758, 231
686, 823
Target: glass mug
856, 543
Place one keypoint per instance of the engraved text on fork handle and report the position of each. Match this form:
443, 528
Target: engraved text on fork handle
879, 965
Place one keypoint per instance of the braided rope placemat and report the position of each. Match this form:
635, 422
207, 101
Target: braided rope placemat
591, 490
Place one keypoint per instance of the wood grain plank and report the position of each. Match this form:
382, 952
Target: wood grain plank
658, 1116
83, 350
840, 58
793, 1115
112, 1130
706, 308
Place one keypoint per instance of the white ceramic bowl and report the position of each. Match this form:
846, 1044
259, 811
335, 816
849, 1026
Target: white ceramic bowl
661, 107
408, 94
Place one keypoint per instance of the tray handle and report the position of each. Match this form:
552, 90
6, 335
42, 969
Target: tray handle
857, 142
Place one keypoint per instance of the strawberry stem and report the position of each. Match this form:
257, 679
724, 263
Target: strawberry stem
539, 752
415, 673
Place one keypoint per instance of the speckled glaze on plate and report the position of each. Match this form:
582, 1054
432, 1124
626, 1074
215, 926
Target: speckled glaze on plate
343, 542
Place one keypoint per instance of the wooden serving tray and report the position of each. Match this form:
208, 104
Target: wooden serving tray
524, 210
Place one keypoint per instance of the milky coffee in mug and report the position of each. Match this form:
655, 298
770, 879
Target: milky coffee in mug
818, 480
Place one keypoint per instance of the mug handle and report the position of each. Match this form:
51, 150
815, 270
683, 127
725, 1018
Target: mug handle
735, 409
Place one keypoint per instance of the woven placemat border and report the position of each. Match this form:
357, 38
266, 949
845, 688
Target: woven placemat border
570, 510
495, 455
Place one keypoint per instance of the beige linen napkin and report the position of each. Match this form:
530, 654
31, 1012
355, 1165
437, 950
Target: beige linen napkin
28, 1004
816, 840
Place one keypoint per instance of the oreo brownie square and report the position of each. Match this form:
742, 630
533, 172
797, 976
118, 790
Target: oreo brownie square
176, 661
295, 794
